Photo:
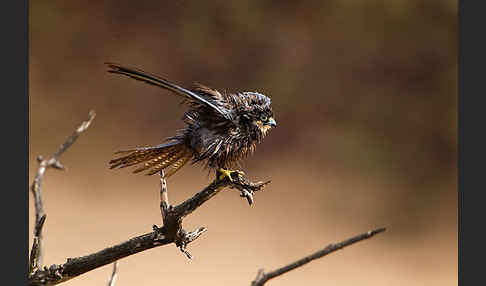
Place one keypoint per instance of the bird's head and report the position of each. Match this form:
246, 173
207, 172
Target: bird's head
258, 113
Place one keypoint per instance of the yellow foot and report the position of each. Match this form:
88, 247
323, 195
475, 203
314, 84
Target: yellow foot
225, 173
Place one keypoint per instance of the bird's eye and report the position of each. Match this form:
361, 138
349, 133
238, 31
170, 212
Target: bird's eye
264, 118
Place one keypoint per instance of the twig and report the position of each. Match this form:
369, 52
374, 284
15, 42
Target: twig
164, 197
113, 275
34, 253
36, 188
170, 232
263, 277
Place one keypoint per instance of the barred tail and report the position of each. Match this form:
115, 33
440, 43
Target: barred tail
169, 157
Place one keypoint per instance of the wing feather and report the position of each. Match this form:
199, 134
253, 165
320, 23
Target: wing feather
160, 82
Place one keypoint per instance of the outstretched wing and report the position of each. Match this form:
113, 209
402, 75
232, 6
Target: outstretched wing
208, 92
160, 82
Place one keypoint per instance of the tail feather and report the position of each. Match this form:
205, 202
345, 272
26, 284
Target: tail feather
155, 158
136, 156
174, 167
172, 164
158, 164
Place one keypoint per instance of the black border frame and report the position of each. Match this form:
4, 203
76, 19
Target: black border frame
15, 139
471, 81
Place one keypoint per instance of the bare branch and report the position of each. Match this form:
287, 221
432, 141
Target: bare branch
113, 275
34, 252
263, 277
172, 216
164, 197
170, 232
36, 188
84, 125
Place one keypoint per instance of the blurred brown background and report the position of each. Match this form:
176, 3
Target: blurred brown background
365, 98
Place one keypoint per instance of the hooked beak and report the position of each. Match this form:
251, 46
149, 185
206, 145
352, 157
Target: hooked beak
271, 122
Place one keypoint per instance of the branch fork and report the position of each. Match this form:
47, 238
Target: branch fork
36, 188
172, 216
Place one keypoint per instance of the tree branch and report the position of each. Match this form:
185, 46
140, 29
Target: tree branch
263, 277
170, 232
36, 188
35, 251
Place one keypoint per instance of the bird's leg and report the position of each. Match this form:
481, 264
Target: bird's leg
222, 173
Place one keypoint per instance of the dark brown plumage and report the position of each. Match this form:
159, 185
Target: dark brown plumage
222, 128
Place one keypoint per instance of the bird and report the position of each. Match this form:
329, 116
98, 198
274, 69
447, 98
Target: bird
221, 129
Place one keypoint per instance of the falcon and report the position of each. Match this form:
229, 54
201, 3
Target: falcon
221, 129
